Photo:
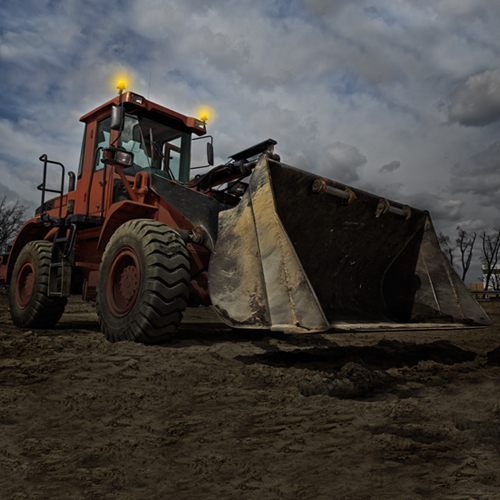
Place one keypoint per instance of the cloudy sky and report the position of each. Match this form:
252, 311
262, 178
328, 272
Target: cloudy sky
401, 97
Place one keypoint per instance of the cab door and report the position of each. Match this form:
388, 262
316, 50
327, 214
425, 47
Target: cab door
98, 198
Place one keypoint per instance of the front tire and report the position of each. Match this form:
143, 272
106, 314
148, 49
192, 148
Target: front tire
30, 306
143, 283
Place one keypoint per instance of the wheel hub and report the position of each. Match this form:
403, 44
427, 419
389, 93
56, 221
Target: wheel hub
128, 283
25, 284
122, 282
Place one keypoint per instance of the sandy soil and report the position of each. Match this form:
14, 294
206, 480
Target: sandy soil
217, 414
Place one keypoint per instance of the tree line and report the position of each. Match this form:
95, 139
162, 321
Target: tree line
12, 217
464, 246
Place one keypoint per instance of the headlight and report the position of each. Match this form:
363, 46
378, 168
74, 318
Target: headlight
120, 156
124, 158
136, 98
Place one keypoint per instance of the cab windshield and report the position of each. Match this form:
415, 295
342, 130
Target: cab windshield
157, 148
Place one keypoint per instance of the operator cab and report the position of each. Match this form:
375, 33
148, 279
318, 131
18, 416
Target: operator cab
157, 146
158, 138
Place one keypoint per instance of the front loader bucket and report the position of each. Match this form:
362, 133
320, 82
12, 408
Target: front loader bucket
303, 253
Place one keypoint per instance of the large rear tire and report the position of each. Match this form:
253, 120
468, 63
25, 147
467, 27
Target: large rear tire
30, 306
143, 283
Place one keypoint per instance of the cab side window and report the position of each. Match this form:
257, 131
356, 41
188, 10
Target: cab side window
80, 165
102, 138
173, 157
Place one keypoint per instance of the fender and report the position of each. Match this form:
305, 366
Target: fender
120, 213
31, 231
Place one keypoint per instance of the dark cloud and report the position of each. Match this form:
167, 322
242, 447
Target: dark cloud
390, 167
391, 191
11, 197
441, 208
480, 176
323, 7
8, 193
341, 162
476, 103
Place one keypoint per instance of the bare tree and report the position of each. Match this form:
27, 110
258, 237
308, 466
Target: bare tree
491, 246
11, 219
465, 243
444, 243
495, 281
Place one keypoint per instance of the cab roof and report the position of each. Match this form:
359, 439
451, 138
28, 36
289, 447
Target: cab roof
196, 126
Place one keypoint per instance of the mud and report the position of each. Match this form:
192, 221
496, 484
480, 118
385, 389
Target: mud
222, 414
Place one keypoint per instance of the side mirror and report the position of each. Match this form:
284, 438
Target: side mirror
210, 153
116, 117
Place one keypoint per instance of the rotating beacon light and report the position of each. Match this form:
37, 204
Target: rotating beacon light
203, 114
121, 87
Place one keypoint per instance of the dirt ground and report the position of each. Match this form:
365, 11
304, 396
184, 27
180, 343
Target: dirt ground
218, 414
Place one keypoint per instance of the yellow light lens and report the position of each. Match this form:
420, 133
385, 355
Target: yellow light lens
205, 113
121, 79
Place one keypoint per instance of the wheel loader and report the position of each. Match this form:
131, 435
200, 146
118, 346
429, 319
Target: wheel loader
267, 245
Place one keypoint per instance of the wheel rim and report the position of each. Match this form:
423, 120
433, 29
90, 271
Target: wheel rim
122, 283
25, 284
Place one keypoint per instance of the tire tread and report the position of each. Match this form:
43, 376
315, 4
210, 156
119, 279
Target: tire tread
42, 311
160, 305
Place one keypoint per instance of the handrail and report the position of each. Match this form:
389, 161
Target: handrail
42, 187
